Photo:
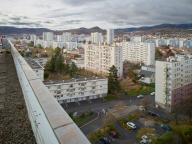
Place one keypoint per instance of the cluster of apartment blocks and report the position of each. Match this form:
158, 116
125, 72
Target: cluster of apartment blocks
66, 40
99, 58
73, 90
173, 77
174, 42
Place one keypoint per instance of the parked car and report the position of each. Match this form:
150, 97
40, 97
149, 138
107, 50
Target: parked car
140, 96
131, 125
153, 93
144, 137
166, 127
142, 108
113, 134
143, 141
153, 113
104, 141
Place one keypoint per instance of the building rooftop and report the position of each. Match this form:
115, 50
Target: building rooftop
179, 57
33, 64
146, 73
73, 80
15, 126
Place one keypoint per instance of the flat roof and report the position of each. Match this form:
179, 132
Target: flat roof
33, 64
73, 80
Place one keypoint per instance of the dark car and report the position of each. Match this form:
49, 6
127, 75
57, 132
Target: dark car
113, 134
104, 141
166, 127
153, 113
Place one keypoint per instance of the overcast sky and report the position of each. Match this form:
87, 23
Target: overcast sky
67, 14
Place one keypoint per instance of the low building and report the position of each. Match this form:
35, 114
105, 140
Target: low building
79, 62
38, 69
41, 61
76, 90
147, 74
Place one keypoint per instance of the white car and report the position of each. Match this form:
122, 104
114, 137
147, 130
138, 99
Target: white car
131, 125
143, 141
144, 137
153, 93
140, 96
141, 108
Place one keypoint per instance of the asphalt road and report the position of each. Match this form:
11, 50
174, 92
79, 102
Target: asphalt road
98, 105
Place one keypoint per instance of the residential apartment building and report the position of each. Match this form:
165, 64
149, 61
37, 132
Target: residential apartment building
173, 81
76, 90
67, 37
110, 36
139, 52
33, 37
48, 36
96, 38
99, 58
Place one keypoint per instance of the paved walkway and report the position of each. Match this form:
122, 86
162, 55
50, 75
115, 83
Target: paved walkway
15, 127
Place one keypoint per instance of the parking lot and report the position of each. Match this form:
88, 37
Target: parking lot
116, 110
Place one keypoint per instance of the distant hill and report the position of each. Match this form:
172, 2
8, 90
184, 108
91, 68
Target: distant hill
86, 30
38, 31
13, 30
156, 27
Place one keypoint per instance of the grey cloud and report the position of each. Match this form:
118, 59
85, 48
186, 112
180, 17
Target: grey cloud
72, 22
81, 2
142, 12
116, 13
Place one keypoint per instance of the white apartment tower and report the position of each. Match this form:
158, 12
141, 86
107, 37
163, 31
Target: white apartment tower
48, 36
99, 58
139, 52
96, 38
110, 36
173, 81
67, 37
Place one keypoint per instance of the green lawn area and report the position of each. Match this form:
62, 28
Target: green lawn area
99, 133
183, 130
111, 97
142, 89
149, 132
83, 118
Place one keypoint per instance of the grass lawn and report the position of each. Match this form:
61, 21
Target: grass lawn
141, 89
99, 133
111, 97
149, 132
183, 130
83, 118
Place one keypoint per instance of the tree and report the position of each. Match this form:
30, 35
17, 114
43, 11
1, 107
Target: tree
73, 69
31, 44
113, 83
56, 64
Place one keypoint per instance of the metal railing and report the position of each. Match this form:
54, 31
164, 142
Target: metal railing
50, 123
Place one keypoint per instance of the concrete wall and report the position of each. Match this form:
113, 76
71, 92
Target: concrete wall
50, 123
